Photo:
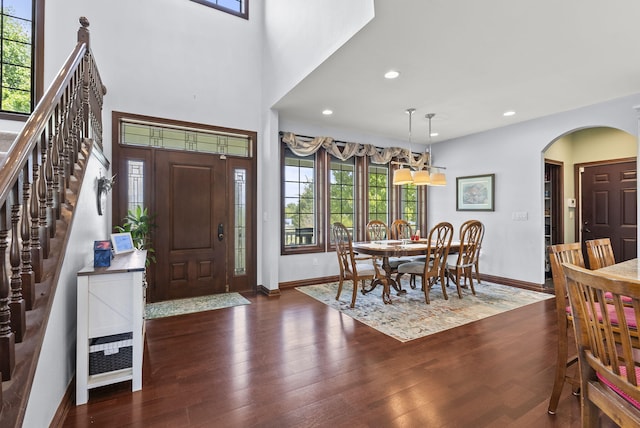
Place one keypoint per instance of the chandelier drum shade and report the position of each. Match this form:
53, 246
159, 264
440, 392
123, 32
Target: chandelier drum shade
424, 174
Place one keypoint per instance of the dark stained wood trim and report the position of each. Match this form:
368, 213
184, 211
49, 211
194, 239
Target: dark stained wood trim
261, 289
67, 403
516, 283
308, 281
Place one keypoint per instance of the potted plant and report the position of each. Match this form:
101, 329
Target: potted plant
139, 223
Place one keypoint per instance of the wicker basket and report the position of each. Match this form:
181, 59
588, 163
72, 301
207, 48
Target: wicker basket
110, 353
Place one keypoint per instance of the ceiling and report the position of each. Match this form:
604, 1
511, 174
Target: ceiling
469, 62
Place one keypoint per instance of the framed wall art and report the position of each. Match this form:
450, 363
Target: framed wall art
475, 193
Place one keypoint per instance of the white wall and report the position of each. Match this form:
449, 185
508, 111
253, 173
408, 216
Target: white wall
298, 37
56, 365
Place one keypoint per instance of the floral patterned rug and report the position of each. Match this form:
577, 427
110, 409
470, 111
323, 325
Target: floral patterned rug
409, 317
170, 308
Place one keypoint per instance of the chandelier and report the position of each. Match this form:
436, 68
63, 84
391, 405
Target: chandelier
425, 174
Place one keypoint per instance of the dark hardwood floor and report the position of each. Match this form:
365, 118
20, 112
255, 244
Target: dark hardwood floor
293, 362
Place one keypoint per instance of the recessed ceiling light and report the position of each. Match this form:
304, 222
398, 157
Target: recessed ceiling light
434, 134
327, 112
391, 74
509, 113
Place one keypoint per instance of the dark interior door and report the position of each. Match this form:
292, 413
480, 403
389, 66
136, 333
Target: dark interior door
609, 203
190, 195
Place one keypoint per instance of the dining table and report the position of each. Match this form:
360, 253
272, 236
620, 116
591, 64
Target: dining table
389, 248
627, 269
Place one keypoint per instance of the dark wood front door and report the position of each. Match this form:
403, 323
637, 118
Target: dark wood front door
609, 200
191, 201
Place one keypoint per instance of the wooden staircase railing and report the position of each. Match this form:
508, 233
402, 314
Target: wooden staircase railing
39, 181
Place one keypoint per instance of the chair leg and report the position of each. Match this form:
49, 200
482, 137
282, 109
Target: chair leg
458, 279
444, 289
339, 289
473, 290
426, 286
355, 292
561, 366
477, 272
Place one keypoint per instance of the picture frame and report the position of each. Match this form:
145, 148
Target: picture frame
475, 193
122, 243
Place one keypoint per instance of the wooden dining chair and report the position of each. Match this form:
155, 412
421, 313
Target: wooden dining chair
350, 267
559, 254
462, 269
600, 253
377, 230
608, 346
401, 229
430, 270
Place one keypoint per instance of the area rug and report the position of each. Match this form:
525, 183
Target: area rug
409, 317
170, 308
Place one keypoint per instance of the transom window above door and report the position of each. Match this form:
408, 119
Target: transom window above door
140, 133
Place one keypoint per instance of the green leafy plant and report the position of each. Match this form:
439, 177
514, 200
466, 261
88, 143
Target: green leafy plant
140, 224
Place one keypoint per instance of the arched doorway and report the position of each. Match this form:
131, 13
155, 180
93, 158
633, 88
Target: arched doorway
584, 148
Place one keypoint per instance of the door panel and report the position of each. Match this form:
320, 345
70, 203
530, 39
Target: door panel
609, 200
190, 198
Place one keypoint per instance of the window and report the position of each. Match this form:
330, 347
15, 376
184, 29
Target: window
378, 191
17, 56
176, 137
300, 208
342, 193
409, 205
320, 189
235, 7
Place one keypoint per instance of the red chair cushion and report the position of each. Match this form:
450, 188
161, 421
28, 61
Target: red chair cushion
628, 312
623, 372
625, 299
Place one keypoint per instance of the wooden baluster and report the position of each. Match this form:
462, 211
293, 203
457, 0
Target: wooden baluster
50, 218
42, 211
75, 128
53, 195
57, 162
7, 338
16, 302
34, 210
27, 275
66, 164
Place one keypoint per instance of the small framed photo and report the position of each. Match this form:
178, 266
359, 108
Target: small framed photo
122, 243
475, 193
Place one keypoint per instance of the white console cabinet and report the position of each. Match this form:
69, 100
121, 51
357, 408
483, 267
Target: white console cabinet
110, 331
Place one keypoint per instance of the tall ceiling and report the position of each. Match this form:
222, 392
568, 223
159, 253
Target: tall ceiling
469, 62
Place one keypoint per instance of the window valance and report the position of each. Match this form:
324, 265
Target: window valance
343, 150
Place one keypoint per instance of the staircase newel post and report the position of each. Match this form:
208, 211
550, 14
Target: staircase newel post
7, 338
16, 302
27, 276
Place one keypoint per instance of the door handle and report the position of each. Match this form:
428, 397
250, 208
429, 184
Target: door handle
585, 228
220, 232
